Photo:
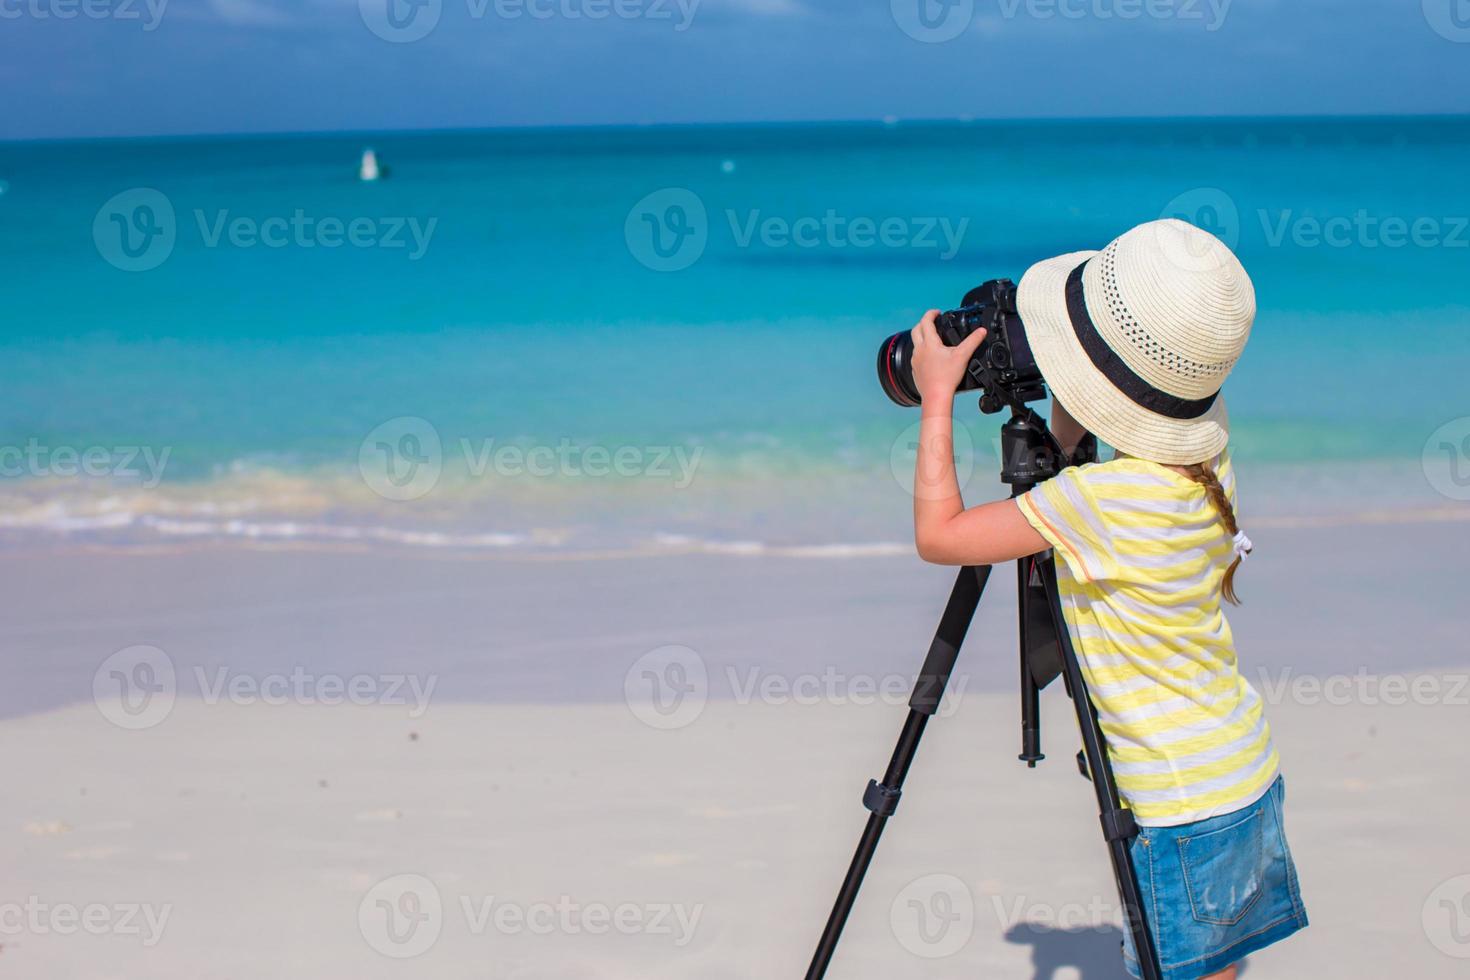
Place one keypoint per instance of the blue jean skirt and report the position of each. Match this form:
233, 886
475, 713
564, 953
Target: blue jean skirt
1216, 890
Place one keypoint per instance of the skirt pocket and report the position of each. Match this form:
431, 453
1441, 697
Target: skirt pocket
1225, 870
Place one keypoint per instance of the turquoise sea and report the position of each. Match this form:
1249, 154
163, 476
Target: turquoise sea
595, 339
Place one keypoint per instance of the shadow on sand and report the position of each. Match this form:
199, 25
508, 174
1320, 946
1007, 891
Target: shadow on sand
1096, 953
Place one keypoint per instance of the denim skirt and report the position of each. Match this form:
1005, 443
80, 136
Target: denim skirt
1216, 890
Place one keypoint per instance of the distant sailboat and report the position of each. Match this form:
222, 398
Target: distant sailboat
369, 170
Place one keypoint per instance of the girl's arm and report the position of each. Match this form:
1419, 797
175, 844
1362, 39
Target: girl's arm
944, 532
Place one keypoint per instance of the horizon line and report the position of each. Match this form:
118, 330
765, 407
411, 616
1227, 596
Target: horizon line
882, 121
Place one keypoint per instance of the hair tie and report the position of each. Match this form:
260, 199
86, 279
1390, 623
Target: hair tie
1243, 546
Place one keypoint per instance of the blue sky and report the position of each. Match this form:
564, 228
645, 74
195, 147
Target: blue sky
78, 68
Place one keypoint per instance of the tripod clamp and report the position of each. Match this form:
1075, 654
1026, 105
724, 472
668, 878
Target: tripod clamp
880, 799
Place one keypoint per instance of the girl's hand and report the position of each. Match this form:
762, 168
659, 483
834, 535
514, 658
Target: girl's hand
938, 370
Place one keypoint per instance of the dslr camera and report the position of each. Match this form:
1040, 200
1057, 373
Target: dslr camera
1003, 368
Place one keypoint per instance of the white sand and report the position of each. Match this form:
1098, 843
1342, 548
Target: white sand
261, 830
255, 834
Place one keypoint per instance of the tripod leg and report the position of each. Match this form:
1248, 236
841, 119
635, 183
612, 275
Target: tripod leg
881, 799
1118, 825
1031, 752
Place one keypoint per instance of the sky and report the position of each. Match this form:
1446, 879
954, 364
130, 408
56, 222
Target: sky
106, 68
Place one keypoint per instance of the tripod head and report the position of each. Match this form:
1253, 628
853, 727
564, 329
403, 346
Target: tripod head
1030, 454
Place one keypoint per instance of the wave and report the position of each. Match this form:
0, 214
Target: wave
795, 515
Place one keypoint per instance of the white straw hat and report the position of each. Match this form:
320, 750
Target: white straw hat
1136, 340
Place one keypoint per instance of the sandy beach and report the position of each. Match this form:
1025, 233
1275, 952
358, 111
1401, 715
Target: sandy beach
336, 764
553, 842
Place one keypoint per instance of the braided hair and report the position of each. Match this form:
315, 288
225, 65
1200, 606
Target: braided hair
1204, 475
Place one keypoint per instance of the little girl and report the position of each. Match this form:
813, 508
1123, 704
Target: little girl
1135, 342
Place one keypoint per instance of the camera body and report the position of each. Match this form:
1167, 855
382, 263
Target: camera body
1003, 368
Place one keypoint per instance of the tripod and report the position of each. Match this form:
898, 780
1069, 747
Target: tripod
1029, 455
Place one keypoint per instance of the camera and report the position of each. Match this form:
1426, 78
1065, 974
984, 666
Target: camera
1003, 368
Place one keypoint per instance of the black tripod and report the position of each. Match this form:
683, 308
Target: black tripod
1029, 455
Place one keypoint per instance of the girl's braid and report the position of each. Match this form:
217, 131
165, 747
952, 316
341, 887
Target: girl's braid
1204, 475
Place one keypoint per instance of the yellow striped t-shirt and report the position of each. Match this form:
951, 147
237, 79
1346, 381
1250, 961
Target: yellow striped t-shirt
1143, 553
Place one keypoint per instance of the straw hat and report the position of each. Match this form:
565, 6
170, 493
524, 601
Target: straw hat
1136, 340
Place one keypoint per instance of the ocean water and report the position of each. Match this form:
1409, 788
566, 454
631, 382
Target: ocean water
588, 341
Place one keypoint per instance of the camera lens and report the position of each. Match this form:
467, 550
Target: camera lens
896, 371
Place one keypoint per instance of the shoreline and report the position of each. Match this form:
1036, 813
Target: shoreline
540, 544
297, 536
842, 511
500, 629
